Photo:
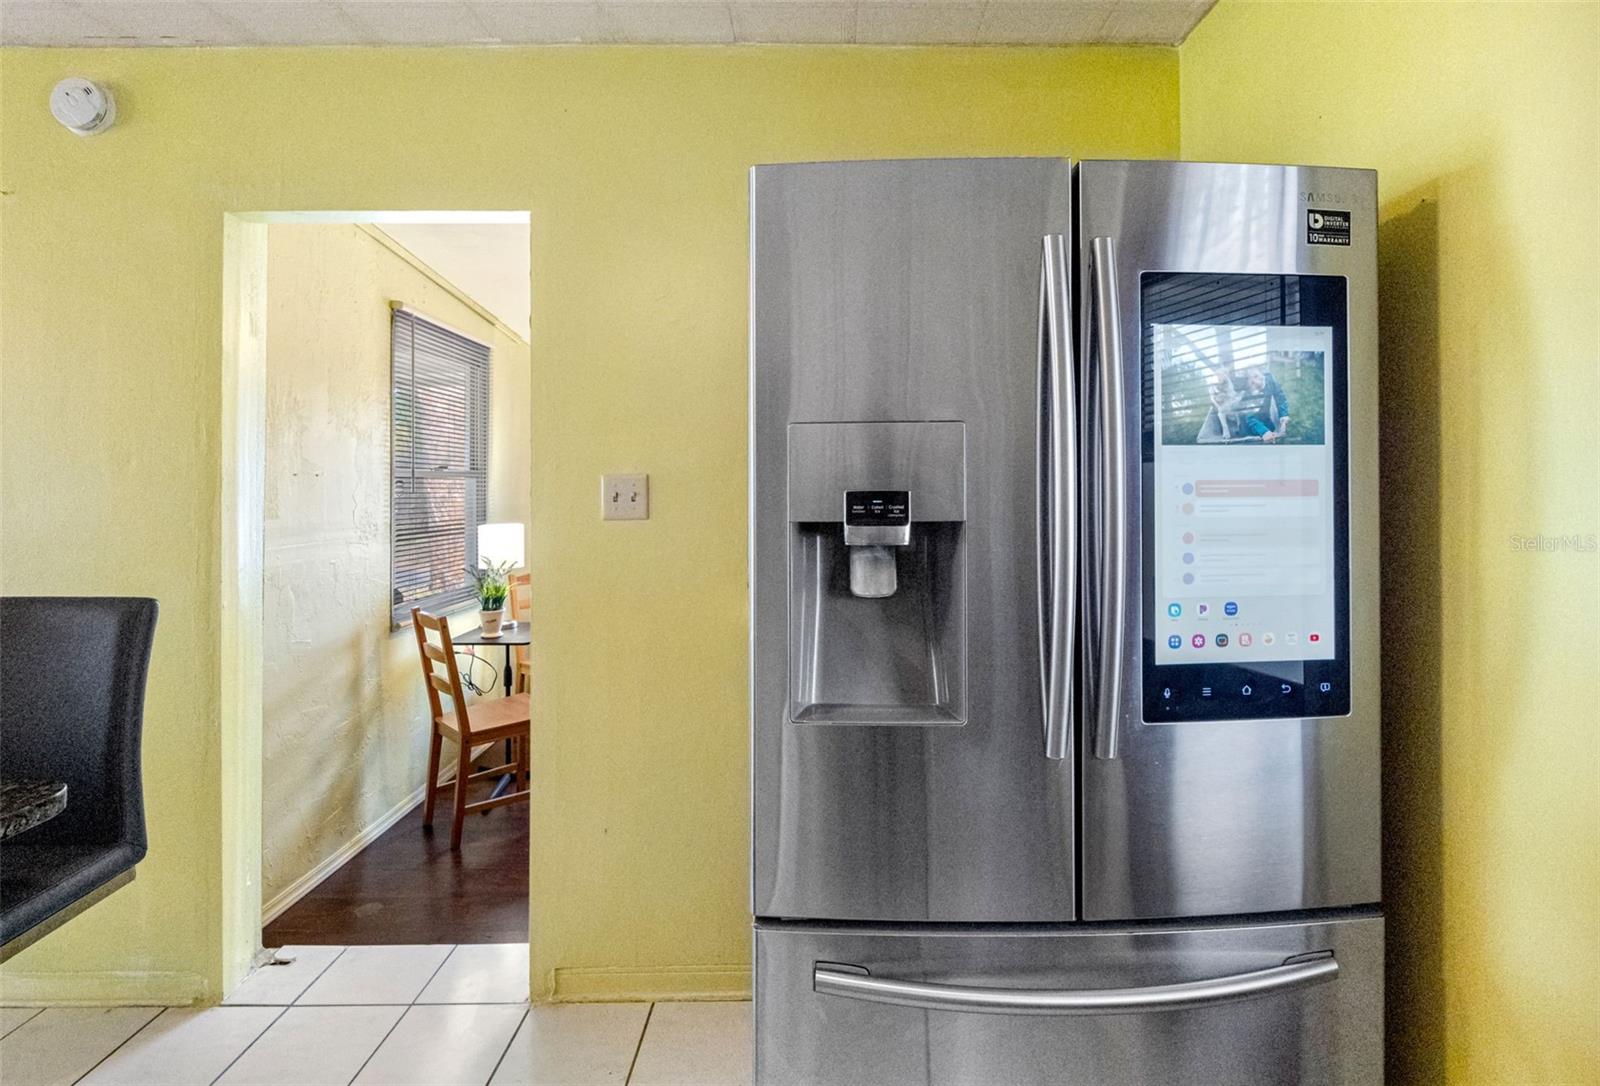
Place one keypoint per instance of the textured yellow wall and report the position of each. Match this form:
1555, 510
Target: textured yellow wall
633, 163
345, 741
1483, 121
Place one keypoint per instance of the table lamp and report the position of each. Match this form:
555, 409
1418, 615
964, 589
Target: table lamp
500, 543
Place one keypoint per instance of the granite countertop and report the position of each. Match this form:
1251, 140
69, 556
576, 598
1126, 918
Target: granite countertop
26, 804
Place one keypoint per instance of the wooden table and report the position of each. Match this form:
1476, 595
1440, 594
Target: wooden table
26, 804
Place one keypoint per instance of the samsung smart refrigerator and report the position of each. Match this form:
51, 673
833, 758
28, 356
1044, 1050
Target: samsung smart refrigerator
1064, 641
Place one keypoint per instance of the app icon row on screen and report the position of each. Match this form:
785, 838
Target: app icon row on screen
1175, 610
1242, 640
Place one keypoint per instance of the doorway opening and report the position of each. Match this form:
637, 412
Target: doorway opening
376, 434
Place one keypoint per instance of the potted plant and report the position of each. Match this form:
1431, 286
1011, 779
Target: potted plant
493, 587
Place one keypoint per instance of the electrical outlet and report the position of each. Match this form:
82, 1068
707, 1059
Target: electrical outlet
624, 497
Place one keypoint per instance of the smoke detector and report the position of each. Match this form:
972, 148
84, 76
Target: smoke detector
83, 106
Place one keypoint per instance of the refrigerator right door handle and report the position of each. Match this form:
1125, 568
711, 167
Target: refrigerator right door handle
1058, 498
1186, 995
1113, 565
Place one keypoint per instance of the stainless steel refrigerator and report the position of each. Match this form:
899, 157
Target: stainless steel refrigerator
1063, 541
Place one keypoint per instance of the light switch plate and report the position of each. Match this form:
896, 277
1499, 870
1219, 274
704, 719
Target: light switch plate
624, 497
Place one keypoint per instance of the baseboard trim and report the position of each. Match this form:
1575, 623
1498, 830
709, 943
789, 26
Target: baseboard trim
624, 985
108, 989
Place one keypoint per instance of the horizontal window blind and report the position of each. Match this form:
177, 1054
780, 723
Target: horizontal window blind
440, 463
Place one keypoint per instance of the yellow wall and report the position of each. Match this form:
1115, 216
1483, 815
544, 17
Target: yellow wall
1483, 121
633, 164
345, 739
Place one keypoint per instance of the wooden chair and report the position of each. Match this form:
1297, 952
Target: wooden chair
522, 611
489, 721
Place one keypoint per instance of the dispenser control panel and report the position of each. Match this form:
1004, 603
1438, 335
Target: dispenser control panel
877, 508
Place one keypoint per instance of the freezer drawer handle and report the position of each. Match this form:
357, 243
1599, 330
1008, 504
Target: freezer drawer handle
1188, 995
1057, 486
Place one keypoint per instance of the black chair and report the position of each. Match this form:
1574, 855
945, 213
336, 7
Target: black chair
72, 678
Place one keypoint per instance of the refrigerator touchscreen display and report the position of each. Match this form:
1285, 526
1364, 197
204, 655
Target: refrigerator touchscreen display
1244, 493
1246, 593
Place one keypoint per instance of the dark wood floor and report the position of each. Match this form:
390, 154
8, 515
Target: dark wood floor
408, 887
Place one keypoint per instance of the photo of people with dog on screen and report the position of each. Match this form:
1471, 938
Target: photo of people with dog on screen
1241, 384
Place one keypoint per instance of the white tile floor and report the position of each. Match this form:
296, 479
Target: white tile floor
381, 1016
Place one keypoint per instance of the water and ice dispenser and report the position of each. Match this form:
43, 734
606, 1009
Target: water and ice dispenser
877, 587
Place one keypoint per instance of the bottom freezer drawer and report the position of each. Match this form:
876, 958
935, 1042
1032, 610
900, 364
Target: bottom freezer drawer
1229, 1004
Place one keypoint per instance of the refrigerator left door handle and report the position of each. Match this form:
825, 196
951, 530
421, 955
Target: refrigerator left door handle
1291, 976
1058, 498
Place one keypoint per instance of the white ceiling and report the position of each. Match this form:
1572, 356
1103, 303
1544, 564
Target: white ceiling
487, 262
516, 22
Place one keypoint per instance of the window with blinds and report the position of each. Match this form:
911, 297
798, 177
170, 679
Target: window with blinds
440, 462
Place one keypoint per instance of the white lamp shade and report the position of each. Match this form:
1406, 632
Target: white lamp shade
499, 543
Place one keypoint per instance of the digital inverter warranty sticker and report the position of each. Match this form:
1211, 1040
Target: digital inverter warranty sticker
1327, 227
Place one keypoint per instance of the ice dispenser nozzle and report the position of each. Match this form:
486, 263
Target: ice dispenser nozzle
875, 523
